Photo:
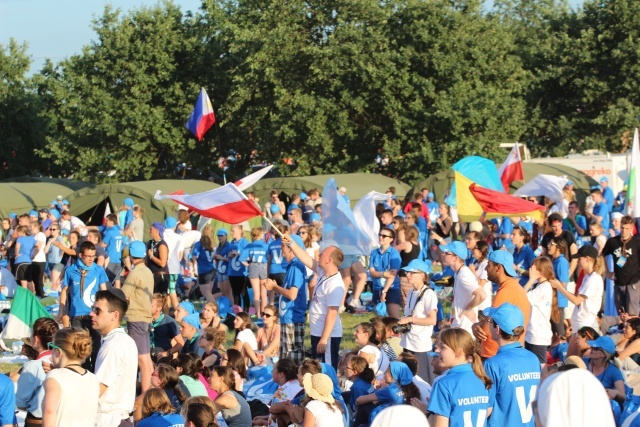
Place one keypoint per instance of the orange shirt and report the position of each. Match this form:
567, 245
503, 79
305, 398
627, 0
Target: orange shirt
509, 291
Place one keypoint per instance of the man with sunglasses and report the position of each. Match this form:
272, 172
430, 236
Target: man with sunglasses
80, 283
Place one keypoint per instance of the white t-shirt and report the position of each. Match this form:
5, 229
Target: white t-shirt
418, 339
381, 361
176, 245
325, 417
312, 253
78, 406
117, 368
464, 286
327, 293
287, 391
481, 273
8, 282
539, 328
247, 336
424, 387
40, 255
586, 314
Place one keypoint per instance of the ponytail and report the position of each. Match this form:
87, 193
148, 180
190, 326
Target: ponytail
460, 340
478, 369
598, 265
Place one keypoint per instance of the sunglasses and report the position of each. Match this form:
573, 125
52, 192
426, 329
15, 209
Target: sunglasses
385, 235
98, 310
267, 315
54, 229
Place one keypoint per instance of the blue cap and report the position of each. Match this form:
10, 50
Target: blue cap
569, 182
274, 209
55, 213
13, 216
292, 206
159, 227
418, 265
303, 196
507, 316
33, 213
605, 343
430, 195
188, 307
604, 179
128, 202
459, 249
65, 202
315, 217
297, 239
222, 232
224, 306
193, 320
170, 222
596, 187
137, 249
505, 259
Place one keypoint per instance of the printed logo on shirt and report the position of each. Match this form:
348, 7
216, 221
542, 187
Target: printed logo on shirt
88, 297
618, 252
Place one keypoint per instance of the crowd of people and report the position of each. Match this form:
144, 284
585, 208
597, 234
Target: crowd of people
493, 323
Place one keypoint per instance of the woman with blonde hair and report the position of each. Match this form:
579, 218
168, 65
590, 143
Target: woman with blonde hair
70, 384
157, 410
209, 317
254, 256
598, 239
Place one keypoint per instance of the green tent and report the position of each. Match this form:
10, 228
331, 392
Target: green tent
21, 197
357, 185
89, 203
70, 184
441, 182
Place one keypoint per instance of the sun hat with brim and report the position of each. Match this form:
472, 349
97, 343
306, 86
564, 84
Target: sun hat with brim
505, 259
507, 316
318, 387
459, 249
417, 265
576, 361
604, 343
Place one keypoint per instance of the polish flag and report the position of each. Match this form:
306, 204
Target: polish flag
249, 180
511, 170
227, 204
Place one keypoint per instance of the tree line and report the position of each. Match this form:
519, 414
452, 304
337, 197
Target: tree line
401, 87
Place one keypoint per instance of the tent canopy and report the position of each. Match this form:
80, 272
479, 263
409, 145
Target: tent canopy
440, 183
70, 184
21, 197
89, 203
357, 185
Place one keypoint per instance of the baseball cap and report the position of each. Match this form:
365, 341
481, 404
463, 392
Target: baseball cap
117, 293
158, 227
303, 196
604, 179
605, 343
505, 259
596, 187
13, 215
418, 265
222, 232
137, 249
507, 316
170, 222
476, 226
33, 213
44, 210
586, 251
430, 195
193, 320
569, 183
188, 307
59, 197
459, 249
616, 215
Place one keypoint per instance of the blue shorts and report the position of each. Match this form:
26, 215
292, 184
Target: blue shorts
393, 296
348, 261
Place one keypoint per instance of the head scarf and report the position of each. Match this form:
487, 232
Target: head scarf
574, 398
401, 373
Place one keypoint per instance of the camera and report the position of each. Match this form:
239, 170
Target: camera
401, 329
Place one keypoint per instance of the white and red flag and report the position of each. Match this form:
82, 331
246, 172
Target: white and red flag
511, 170
249, 180
227, 204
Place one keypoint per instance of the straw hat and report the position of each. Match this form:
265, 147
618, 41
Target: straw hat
318, 387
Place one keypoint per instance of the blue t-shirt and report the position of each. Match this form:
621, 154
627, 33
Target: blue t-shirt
7, 401
523, 258
568, 226
115, 243
294, 311
607, 193
560, 351
390, 395
128, 217
158, 420
601, 209
54, 256
610, 375
516, 376
461, 395
433, 207
26, 247
255, 252
389, 260
205, 260
359, 388
561, 269
506, 227
81, 302
221, 264
236, 268
277, 263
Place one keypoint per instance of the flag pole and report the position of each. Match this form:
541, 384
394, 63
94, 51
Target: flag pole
273, 226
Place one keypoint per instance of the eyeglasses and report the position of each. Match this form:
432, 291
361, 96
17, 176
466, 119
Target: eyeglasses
552, 244
51, 346
267, 315
385, 235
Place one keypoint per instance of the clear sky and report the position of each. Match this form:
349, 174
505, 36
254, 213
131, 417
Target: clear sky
56, 29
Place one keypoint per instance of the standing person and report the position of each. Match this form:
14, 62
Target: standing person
254, 256
221, 260
38, 259
292, 307
625, 249
80, 283
277, 264
94, 237
463, 393
514, 371
561, 266
575, 223
522, 253
409, 250
479, 267
71, 393
555, 224
114, 244
420, 314
324, 321
117, 363
138, 287
203, 253
158, 411
237, 270
175, 245
54, 256
23, 248
135, 229
501, 272
467, 293
157, 257
384, 264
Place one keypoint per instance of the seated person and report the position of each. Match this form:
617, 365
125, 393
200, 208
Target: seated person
165, 332
8, 284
